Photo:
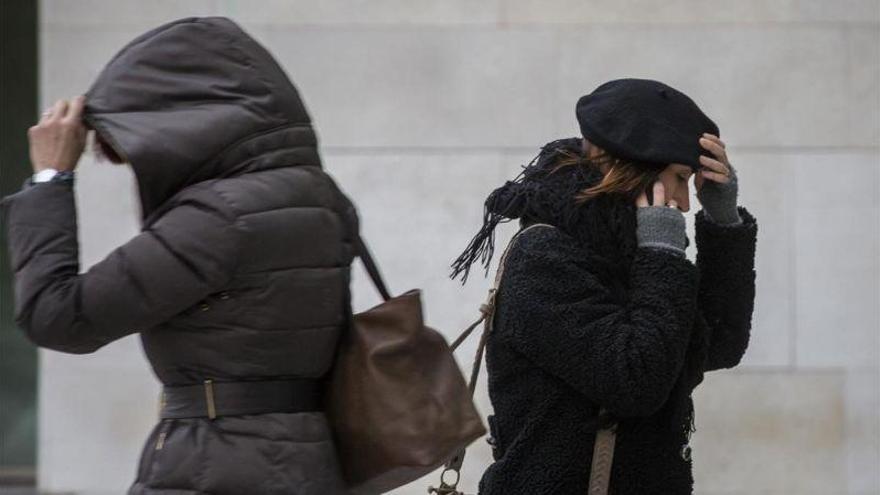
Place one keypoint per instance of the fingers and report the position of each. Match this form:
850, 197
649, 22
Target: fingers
64, 110
714, 170
67, 114
53, 112
46, 115
59, 109
720, 178
76, 109
714, 165
714, 138
57, 141
716, 149
659, 194
659, 197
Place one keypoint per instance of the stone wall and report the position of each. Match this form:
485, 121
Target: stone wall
422, 107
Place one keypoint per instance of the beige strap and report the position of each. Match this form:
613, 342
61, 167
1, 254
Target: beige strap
603, 456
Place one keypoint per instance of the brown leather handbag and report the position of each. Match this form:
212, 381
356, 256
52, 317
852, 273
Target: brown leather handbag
603, 448
396, 399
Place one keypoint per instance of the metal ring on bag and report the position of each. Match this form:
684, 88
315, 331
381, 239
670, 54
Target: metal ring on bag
457, 477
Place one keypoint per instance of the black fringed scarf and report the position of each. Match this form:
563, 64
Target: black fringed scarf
545, 192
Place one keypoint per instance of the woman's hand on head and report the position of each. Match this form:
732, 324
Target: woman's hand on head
717, 183
59, 138
716, 169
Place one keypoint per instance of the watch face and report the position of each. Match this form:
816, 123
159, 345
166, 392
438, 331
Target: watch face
45, 175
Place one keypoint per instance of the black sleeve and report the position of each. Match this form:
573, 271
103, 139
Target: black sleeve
726, 297
623, 351
183, 257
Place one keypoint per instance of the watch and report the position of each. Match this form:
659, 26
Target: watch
51, 175
45, 175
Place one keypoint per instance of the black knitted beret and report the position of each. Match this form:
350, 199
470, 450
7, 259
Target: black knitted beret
645, 120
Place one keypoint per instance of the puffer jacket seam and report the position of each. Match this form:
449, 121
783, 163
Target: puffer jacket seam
236, 224
258, 134
293, 207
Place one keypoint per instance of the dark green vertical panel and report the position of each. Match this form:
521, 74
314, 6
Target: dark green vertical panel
18, 358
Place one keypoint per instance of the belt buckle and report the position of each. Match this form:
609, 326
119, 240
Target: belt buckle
162, 402
209, 399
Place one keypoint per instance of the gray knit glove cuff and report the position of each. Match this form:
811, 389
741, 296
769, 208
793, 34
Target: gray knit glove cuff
719, 200
661, 227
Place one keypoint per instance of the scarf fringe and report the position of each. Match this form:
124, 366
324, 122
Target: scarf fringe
482, 245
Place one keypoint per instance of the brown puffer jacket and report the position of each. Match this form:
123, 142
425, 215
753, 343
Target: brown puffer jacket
241, 270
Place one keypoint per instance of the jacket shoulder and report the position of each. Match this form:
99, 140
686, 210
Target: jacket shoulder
544, 244
201, 197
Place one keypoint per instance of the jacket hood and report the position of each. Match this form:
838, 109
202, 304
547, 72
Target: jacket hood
197, 99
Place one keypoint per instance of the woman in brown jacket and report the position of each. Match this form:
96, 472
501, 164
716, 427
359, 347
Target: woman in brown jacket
238, 281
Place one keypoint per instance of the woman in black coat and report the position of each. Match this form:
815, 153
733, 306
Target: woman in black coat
601, 309
238, 281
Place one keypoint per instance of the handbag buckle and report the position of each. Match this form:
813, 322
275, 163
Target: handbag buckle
446, 488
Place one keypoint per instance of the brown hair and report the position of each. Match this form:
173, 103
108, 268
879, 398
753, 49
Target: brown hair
625, 177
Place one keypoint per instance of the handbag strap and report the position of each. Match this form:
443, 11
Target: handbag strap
487, 309
603, 455
603, 448
372, 268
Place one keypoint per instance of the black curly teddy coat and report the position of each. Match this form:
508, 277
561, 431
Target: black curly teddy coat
586, 318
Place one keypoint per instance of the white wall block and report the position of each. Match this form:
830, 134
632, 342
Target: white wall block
448, 88
404, 88
132, 14
95, 414
689, 12
370, 13
784, 86
108, 206
770, 432
454, 87
837, 259
863, 430
487, 13
72, 57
